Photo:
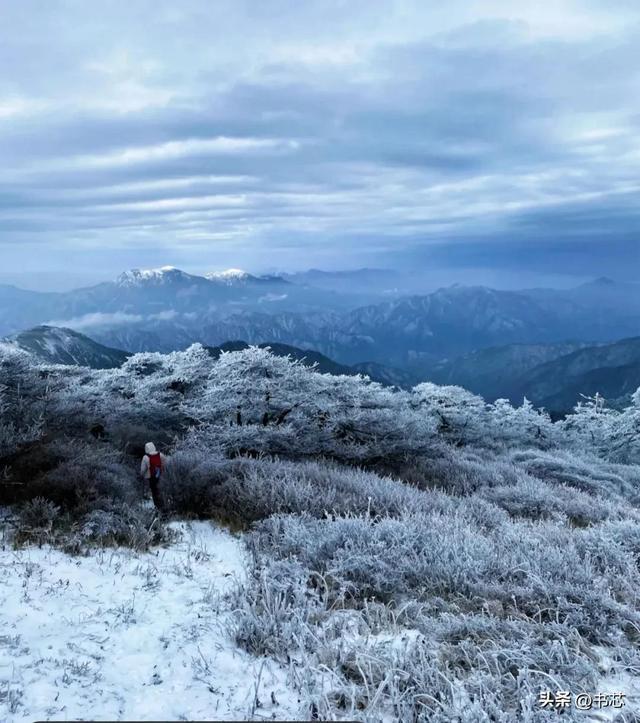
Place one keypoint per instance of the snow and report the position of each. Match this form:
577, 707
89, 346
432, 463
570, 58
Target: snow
230, 275
138, 276
123, 635
227, 274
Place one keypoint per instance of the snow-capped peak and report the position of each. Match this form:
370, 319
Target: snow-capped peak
228, 275
232, 277
135, 277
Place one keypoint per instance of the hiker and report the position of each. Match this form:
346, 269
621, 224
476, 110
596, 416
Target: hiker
151, 469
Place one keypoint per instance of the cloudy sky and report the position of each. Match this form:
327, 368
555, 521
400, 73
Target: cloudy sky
482, 138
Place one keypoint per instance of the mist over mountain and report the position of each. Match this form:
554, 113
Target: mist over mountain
370, 284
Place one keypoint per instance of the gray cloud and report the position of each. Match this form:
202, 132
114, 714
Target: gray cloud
293, 134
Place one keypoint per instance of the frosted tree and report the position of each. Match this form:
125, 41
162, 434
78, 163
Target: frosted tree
460, 416
523, 426
591, 425
623, 433
257, 401
23, 396
147, 392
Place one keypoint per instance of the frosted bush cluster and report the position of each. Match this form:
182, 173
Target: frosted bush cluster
416, 555
22, 401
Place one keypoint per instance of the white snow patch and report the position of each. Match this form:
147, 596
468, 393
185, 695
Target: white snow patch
228, 274
136, 277
123, 635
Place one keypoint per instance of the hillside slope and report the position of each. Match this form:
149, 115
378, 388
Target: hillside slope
612, 370
498, 371
56, 345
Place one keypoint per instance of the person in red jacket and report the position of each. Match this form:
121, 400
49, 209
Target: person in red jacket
151, 468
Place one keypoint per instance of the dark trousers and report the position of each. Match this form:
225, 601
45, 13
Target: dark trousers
156, 494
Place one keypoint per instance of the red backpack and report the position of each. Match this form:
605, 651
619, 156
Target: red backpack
155, 466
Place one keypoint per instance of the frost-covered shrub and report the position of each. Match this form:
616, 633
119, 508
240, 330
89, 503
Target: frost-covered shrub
190, 481
274, 611
624, 438
481, 513
465, 676
464, 666
143, 398
245, 490
463, 418
541, 572
119, 524
533, 499
462, 471
477, 618
39, 514
523, 426
609, 433
590, 424
383, 559
36, 521
460, 416
83, 474
23, 395
107, 523
584, 472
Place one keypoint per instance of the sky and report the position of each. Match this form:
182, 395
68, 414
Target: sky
474, 140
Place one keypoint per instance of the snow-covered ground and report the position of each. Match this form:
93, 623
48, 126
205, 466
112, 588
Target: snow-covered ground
121, 635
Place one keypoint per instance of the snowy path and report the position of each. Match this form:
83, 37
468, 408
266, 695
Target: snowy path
120, 635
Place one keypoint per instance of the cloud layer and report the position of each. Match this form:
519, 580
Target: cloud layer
485, 134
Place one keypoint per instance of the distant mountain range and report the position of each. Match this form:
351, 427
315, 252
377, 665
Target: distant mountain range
493, 342
150, 298
368, 284
553, 376
499, 371
164, 309
612, 370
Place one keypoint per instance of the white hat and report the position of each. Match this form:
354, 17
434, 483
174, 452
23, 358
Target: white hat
150, 448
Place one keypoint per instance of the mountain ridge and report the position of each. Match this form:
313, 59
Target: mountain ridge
166, 309
57, 345
612, 370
